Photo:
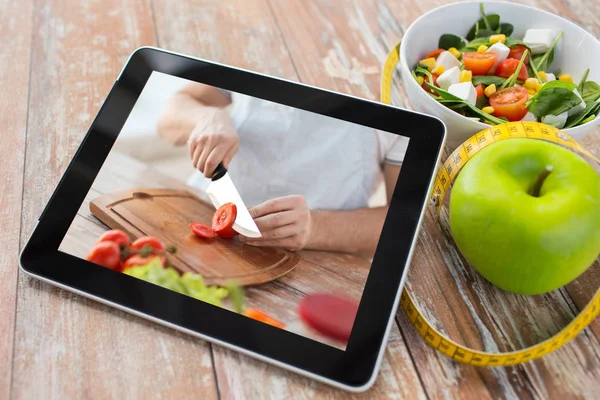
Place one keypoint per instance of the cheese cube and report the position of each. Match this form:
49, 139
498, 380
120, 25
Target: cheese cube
447, 60
539, 40
501, 52
449, 77
557, 121
550, 77
529, 117
579, 107
465, 91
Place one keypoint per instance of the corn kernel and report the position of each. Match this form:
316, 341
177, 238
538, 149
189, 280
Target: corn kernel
482, 49
420, 79
531, 92
466, 76
490, 90
498, 38
543, 75
530, 83
454, 52
438, 70
428, 63
538, 86
565, 78
488, 110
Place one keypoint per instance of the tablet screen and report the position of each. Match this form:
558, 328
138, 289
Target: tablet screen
285, 236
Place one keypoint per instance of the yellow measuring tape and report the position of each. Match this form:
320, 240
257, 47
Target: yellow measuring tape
448, 171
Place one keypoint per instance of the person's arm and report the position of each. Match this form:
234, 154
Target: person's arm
185, 108
287, 222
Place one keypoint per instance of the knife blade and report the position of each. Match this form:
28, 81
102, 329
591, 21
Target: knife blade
221, 190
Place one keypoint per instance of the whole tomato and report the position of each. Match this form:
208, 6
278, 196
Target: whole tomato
115, 235
106, 254
148, 241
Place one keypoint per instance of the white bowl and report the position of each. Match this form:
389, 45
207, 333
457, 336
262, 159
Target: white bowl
576, 51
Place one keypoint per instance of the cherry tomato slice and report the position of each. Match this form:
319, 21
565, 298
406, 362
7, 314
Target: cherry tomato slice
203, 231
223, 219
137, 259
117, 236
424, 86
434, 53
330, 315
106, 254
510, 103
517, 51
262, 317
479, 89
507, 67
479, 63
150, 241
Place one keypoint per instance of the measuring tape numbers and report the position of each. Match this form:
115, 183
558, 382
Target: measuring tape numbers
445, 176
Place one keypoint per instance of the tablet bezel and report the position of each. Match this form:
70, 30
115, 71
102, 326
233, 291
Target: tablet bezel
353, 369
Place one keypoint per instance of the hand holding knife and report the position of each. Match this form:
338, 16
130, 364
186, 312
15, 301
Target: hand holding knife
221, 190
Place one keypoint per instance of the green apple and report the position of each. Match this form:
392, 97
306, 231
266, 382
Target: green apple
525, 213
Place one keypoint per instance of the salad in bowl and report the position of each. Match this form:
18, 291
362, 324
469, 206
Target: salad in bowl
492, 76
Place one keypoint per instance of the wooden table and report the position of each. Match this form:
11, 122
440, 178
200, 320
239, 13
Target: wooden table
59, 60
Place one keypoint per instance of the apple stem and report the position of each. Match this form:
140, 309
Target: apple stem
537, 186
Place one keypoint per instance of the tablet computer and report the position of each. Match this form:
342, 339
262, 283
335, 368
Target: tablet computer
267, 216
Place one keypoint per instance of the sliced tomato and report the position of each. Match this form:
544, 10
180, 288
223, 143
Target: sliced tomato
201, 230
115, 235
137, 259
507, 67
517, 51
330, 315
262, 317
434, 53
106, 254
434, 76
479, 89
510, 103
223, 219
479, 63
150, 241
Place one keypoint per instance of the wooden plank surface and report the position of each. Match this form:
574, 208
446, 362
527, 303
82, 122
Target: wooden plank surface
67, 347
15, 41
75, 348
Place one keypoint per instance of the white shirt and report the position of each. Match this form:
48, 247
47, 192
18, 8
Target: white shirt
334, 164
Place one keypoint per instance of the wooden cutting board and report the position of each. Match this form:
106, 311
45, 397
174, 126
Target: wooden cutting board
167, 214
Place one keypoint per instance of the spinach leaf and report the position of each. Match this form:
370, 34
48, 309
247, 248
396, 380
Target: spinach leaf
591, 109
510, 42
554, 98
488, 80
474, 45
449, 40
535, 72
583, 79
487, 117
485, 18
424, 72
590, 91
444, 95
588, 119
543, 61
484, 33
493, 20
506, 29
